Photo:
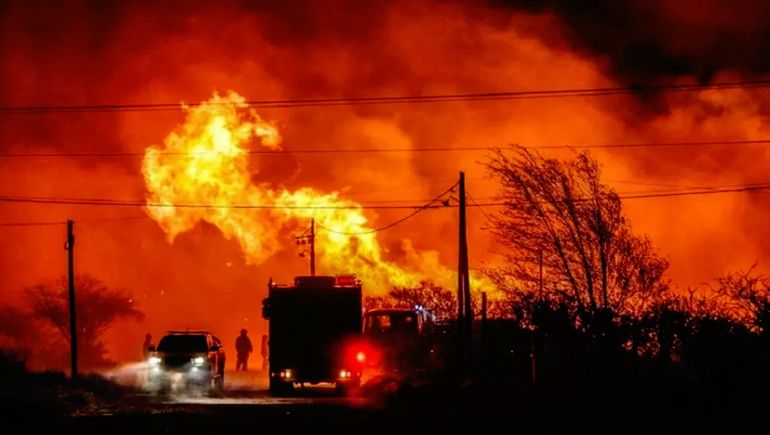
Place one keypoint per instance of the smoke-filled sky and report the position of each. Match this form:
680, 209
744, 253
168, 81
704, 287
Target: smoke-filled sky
94, 52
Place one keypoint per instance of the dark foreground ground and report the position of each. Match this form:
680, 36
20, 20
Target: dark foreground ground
49, 403
636, 403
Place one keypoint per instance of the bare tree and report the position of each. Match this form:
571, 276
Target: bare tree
437, 300
24, 336
746, 295
16, 331
674, 316
97, 308
558, 212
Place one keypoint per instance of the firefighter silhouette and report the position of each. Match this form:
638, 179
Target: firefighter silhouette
242, 349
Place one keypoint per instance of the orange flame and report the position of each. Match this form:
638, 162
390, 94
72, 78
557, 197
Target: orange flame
202, 174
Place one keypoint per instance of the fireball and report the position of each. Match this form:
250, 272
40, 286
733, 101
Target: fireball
201, 173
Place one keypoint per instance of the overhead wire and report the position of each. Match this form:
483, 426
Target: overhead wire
79, 221
289, 152
31, 224
394, 223
757, 188
481, 209
134, 203
750, 188
394, 99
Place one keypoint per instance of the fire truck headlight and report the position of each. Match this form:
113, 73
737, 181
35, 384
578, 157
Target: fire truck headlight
285, 374
198, 361
344, 374
154, 361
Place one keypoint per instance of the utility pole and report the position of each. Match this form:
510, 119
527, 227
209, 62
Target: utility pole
70, 247
460, 308
308, 237
464, 283
312, 247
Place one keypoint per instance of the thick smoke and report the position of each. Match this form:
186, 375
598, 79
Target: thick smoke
661, 42
649, 41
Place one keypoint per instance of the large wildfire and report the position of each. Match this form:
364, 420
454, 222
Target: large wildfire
202, 174
75, 53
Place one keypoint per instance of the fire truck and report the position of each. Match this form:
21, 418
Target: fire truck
315, 333
402, 338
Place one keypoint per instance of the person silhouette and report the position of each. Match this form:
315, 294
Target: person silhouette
242, 349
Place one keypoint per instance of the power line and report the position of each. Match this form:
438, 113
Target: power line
127, 203
481, 209
631, 194
284, 153
755, 188
79, 221
398, 187
679, 187
650, 183
656, 144
394, 223
398, 99
53, 201
31, 224
257, 152
114, 219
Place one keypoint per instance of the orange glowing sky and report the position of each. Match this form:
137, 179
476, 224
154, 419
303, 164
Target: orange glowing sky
135, 52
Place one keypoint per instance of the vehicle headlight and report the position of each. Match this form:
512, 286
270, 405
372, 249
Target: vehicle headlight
198, 361
154, 361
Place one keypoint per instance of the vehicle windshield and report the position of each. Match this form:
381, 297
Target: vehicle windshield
183, 344
391, 322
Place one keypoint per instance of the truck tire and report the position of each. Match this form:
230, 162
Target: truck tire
350, 388
218, 385
280, 389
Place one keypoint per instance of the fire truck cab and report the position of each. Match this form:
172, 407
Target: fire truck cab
402, 337
314, 330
